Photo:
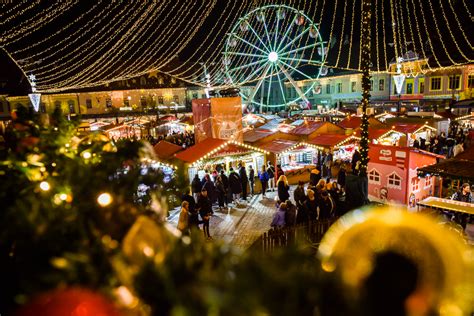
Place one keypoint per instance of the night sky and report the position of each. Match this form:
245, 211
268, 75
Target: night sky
131, 51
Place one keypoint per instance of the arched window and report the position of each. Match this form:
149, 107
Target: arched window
394, 181
374, 176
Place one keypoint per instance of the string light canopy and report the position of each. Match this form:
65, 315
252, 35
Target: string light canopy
74, 44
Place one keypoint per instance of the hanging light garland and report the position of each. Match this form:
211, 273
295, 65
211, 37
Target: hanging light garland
366, 34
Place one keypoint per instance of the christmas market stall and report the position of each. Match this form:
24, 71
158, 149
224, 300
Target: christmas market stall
393, 174
406, 134
294, 157
214, 154
342, 146
453, 171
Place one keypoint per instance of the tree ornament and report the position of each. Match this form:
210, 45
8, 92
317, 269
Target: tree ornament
147, 240
71, 302
390, 259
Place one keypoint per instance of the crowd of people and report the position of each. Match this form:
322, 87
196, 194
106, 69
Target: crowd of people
449, 145
183, 139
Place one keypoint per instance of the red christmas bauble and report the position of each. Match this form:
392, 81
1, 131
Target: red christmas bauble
69, 302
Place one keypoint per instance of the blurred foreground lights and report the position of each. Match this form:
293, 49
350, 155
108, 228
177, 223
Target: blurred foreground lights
86, 155
125, 297
44, 185
104, 199
148, 251
63, 196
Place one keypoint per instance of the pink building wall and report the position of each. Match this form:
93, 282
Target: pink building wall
393, 178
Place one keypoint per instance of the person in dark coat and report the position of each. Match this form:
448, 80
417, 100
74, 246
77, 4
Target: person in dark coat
264, 177
244, 180
221, 192
210, 188
326, 206
251, 179
234, 184
193, 214
204, 206
311, 204
355, 158
196, 187
271, 176
315, 176
341, 176
300, 198
225, 181
290, 214
283, 189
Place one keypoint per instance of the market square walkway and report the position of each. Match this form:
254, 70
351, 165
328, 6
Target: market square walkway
240, 225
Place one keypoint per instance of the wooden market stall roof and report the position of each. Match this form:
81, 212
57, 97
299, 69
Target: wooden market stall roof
459, 167
166, 150
255, 135
374, 133
278, 146
309, 127
210, 147
353, 122
332, 140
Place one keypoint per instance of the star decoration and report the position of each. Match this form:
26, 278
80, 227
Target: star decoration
32, 78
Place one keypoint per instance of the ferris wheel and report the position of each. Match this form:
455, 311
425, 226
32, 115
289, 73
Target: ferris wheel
270, 49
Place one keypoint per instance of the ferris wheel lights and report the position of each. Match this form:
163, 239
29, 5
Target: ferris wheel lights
273, 57
281, 14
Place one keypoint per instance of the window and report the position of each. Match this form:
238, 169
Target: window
454, 82
70, 104
108, 102
57, 105
421, 86
195, 95
328, 88
394, 181
435, 84
371, 85
374, 177
89, 103
160, 100
339, 87
126, 102
427, 182
409, 86
415, 184
353, 86
176, 98
381, 84
470, 81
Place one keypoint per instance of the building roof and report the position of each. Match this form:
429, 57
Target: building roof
201, 149
277, 146
374, 133
254, 135
451, 168
307, 128
406, 128
351, 122
214, 147
468, 154
271, 125
329, 140
165, 150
